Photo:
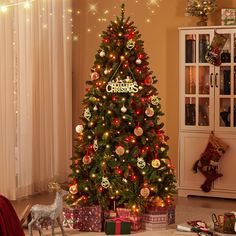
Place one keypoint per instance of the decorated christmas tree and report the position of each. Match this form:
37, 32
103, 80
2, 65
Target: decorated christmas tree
121, 151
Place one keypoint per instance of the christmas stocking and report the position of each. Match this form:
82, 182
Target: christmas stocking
208, 162
214, 50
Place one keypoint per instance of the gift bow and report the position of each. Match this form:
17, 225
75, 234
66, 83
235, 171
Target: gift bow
118, 221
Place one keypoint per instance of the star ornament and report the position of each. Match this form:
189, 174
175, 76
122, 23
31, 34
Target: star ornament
153, 2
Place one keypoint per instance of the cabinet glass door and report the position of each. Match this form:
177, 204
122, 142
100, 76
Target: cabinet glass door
197, 80
225, 84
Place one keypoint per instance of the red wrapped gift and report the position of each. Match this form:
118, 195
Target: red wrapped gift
135, 221
134, 217
123, 212
86, 218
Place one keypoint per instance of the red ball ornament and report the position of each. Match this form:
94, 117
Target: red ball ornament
100, 189
87, 159
141, 56
116, 122
133, 177
105, 40
113, 98
148, 81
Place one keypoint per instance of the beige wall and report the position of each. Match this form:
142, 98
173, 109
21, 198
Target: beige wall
160, 43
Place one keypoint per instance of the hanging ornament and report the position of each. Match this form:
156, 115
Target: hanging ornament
94, 75
87, 114
120, 150
95, 108
144, 192
123, 109
106, 71
95, 145
73, 189
102, 53
149, 111
162, 149
155, 100
105, 182
141, 163
86, 159
138, 61
148, 81
130, 44
138, 131
156, 163
79, 129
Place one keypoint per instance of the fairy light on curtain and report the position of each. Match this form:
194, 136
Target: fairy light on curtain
25, 4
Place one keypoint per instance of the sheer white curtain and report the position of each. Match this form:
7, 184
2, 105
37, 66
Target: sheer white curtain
35, 92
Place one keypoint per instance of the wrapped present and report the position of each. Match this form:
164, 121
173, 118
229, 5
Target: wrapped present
228, 16
135, 218
135, 221
154, 218
123, 212
159, 210
86, 218
117, 226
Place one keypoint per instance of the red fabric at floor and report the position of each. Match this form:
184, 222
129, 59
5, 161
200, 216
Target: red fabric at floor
9, 221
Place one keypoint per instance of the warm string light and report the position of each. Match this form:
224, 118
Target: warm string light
25, 4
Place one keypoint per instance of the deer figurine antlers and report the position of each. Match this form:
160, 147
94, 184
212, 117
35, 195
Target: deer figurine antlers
41, 212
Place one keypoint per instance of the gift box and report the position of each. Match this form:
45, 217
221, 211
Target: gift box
86, 218
159, 210
117, 226
154, 221
123, 212
228, 16
135, 218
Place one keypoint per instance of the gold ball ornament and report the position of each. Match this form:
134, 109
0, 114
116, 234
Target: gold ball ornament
138, 131
105, 182
73, 189
87, 159
141, 163
145, 192
120, 150
149, 112
156, 163
123, 109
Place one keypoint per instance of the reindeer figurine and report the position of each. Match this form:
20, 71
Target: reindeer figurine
41, 212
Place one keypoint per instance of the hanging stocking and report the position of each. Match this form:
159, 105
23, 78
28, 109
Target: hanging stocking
214, 50
208, 163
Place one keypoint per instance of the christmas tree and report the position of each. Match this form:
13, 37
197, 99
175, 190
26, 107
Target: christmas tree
121, 151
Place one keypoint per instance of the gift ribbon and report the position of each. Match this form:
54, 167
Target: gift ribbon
118, 221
